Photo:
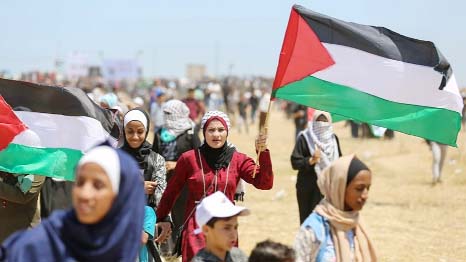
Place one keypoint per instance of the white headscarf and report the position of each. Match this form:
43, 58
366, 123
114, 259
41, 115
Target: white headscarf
135, 115
107, 158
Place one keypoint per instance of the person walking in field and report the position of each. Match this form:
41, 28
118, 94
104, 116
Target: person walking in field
151, 164
315, 149
335, 230
215, 166
439, 153
177, 136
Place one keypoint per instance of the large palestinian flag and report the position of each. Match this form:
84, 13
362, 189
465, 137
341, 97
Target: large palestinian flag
50, 128
370, 74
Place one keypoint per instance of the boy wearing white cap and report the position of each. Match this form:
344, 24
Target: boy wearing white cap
217, 218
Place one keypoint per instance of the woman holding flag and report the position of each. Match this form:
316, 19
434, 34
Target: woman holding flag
215, 166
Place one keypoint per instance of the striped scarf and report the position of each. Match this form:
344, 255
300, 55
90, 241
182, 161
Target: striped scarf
177, 119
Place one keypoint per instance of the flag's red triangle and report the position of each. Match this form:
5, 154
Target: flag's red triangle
10, 124
302, 53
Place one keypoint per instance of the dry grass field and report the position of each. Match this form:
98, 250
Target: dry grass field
408, 218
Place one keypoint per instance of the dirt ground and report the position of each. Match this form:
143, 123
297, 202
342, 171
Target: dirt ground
408, 218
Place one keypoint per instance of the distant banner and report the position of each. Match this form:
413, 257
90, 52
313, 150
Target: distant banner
77, 65
120, 69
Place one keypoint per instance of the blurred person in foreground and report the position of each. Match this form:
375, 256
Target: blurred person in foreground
105, 223
215, 166
335, 231
270, 251
217, 218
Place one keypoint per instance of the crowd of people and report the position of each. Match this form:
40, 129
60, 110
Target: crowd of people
170, 188
89, 219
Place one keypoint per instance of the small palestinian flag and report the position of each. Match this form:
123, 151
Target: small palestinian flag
50, 128
370, 74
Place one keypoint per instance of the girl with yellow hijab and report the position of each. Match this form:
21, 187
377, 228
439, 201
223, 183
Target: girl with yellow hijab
334, 231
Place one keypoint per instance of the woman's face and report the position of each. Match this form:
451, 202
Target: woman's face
357, 191
92, 194
216, 134
135, 134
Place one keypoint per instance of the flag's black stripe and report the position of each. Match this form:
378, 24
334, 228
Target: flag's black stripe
375, 40
67, 101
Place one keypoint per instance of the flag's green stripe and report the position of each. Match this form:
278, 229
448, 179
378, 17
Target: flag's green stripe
52, 162
435, 124
338, 118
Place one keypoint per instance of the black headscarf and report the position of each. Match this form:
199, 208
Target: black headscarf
355, 167
217, 158
142, 153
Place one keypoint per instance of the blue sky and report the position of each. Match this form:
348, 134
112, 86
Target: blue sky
238, 35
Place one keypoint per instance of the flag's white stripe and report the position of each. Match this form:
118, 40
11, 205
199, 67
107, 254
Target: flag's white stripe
59, 131
390, 79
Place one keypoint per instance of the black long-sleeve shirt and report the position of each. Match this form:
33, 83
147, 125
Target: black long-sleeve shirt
300, 161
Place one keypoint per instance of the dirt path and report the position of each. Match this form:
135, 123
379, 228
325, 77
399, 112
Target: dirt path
409, 220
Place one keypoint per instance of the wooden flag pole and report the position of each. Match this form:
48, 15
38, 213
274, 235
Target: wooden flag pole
264, 130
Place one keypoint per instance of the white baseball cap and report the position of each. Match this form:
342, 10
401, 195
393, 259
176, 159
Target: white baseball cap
216, 205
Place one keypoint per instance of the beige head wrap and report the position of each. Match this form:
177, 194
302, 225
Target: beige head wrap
332, 184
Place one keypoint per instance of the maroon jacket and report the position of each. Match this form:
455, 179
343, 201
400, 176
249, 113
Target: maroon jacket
188, 171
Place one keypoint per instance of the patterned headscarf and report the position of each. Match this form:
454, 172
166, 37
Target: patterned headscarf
176, 114
320, 134
217, 114
217, 158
